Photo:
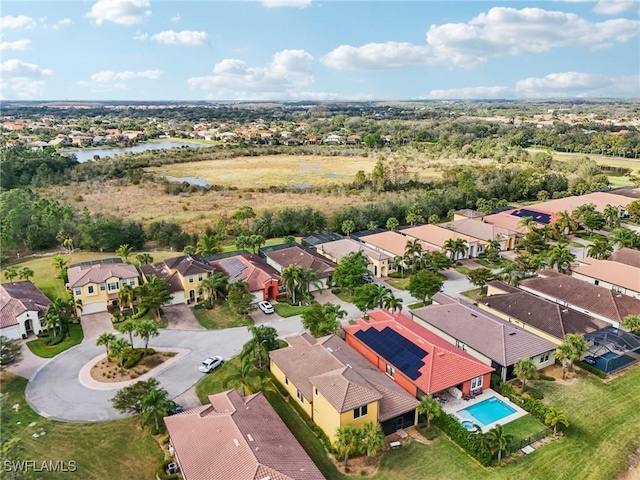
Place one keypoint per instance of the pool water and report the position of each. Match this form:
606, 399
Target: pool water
488, 411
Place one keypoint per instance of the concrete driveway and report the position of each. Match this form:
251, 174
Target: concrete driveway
26, 363
94, 324
181, 317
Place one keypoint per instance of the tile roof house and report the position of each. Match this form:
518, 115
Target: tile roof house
237, 438
393, 244
336, 250
467, 213
183, 275
599, 199
417, 359
596, 301
436, 236
22, 309
97, 283
336, 386
484, 231
628, 256
262, 279
619, 277
484, 336
509, 222
305, 258
542, 317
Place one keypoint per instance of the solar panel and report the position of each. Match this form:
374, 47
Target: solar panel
394, 348
233, 266
543, 218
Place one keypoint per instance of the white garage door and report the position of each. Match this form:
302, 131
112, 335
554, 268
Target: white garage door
94, 307
12, 332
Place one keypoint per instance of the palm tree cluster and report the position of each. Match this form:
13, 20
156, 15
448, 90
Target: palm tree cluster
23, 273
60, 313
495, 441
298, 281
118, 347
417, 259
570, 351
352, 441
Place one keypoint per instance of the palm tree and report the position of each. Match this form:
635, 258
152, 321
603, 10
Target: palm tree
106, 339
527, 222
566, 223
124, 251
455, 247
118, 348
600, 249
144, 258
430, 408
348, 226
59, 263
555, 417
372, 438
67, 243
347, 439
392, 303
214, 284
291, 276
308, 277
128, 326
511, 274
25, 273
632, 323
492, 250
125, 296
578, 346
498, 441
207, 245
624, 237
263, 339
525, 369
155, 405
398, 262
146, 329
611, 217
243, 375
189, 250
381, 295
10, 273
563, 353
560, 257
412, 250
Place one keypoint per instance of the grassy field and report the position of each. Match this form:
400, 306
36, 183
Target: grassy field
399, 283
45, 274
117, 450
220, 316
214, 382
41, 350
285, 310
523, 427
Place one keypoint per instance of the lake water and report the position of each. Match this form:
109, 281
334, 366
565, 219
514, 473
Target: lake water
88, 154
192, 180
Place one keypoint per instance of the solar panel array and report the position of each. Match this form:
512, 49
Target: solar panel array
395, 349
543, 218
104, 261
233, 266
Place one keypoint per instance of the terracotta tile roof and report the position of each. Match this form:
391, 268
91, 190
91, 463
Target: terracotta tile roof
436, 235
583, 295
249, 268
304, 258
189, 264
392, 242
544, 315
505, 287
569, 204
479, 230
615, 273
343, 376
444, 365
341, 248
162, 271
236, 438
469, 213
506, 221
81, 275
17, 298
628, 256
495, 338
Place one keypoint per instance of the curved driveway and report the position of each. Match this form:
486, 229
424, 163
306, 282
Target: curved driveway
55, 390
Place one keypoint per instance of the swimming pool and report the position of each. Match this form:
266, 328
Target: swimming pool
486, 412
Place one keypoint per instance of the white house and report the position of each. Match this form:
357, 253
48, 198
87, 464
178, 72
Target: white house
22, 308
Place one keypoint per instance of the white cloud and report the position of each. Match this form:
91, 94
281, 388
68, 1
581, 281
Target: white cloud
502, 31
65, 22
121, 12
616, 7
188, 38
554, 85
141, 36
110, 80
21, 21
286, 3
175, 18
16, 45
287, 73
21, 80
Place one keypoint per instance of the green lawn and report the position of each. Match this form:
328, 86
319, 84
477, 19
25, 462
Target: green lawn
343, 294
399, 283
285, 310
462, 269
491, 265
220, 316
117, 450
419, 305
523, 428
475, 294
38, 347
214, 382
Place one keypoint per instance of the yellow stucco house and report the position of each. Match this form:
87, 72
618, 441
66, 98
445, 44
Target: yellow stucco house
336, 386
97, 283
379, 262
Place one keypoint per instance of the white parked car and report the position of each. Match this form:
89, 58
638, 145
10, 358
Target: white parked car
210, 364
266, 307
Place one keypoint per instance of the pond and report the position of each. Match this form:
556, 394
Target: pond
88, 154
191, 180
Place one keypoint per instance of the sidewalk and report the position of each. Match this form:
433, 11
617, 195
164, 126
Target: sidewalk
26, 363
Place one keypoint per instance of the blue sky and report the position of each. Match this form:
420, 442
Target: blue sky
318, 50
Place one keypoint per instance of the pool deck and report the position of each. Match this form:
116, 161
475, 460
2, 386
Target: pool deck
454, 405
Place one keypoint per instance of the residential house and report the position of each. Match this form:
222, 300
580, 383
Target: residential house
485, 232
599, 199
596, 301
336, 386
392, 244
183, 276
538, 315
237, 438
263, 281
484, 336
303, 257
332, 140
97, 283
628, 256
417, 359
508, 222
436, 237
354, 140
338, 249
22, 309
467, 214
619, 277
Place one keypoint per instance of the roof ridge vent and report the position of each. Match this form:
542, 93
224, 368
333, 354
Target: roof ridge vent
249, 437
236, 442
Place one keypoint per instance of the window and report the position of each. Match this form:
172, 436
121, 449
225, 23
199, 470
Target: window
597, 282
113, 286
316, 391
286, 380
544, 357
360, 411
200, 277
476, 383
391, 371
190, 278
78, 291
300, 397
90, 289
103, 287
461, 345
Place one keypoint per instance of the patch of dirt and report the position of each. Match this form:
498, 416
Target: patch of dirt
109, 371
363, 466
632, 472
555, 371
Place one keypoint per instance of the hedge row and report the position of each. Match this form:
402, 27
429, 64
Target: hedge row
535, 407
465, 439
590, 369
133, 356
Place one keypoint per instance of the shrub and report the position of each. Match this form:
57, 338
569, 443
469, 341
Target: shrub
465, 440
495, 380
336, 291
395, 275
51, 341
132, 357
547, 378
517, 382
117, 317
207, 304
591, 369
533, 392
141, 313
